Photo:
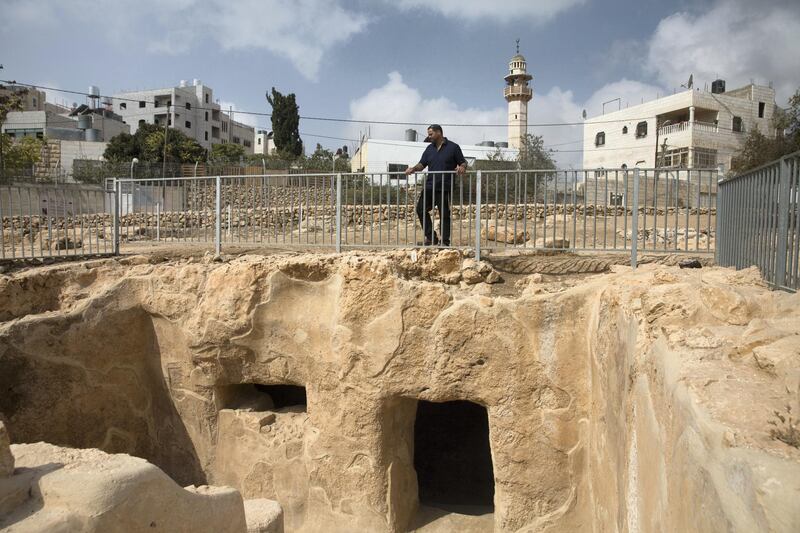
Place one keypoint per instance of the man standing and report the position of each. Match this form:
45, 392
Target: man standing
442, 157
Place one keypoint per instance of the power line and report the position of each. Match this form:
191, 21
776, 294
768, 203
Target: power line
333, 119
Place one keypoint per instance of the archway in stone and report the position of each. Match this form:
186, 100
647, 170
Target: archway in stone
452, 456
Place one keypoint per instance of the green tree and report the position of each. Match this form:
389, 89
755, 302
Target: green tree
226, 153
10, 100
760, 149
147, 144
534, 155
286, 123
24, 153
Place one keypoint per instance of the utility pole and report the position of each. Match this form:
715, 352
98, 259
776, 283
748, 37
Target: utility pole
164, 163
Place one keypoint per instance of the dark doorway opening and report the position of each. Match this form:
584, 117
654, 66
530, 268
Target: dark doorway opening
257, 397
452, 456
285, 395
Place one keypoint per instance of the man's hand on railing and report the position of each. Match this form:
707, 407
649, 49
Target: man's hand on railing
461, 169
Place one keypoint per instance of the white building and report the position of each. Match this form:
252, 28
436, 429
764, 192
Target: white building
381, 155
265, 143
190, 109
697, 129
80, 124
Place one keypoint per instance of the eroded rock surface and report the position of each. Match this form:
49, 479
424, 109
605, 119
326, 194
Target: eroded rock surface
64, 489
630, 401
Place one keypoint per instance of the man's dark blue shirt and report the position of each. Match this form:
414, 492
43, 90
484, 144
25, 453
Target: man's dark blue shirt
446, 158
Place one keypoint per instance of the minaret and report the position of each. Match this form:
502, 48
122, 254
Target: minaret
517, 94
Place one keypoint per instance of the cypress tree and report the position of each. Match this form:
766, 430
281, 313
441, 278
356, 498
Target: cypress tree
285, 123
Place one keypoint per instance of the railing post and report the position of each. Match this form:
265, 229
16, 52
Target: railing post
338, 213
158, 221
478, 217
218, 217
635, 220
115, 215
783, 222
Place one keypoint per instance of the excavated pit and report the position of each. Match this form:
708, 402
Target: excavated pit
393, 392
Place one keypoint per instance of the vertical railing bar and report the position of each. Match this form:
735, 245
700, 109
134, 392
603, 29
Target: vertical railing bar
478, 216
635, 219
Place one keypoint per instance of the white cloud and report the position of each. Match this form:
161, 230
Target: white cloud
735, 40
302, 31
481, 10
396, 101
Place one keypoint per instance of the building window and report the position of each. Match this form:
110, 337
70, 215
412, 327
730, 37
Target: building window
188, 124
188, 105
677, 158
641, 129
142, 103
761, 107
236, 140
206, 97
247, 143
39, 135
259, 142
34, 102
206, 116
142, 122
206, 136
600, 138
704, 158
123, 105
624, 130
737, 124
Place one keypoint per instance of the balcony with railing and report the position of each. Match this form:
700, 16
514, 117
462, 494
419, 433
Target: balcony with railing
517, 90
672, 129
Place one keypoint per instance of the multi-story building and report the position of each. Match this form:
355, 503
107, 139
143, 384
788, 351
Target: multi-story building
190, 109
80, 124
689, 129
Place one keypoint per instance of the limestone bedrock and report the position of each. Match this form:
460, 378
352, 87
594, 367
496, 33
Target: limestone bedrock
632, 401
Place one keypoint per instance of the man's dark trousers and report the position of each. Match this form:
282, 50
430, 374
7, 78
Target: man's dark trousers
427, 200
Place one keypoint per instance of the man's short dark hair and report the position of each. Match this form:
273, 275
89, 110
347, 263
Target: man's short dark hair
435, 127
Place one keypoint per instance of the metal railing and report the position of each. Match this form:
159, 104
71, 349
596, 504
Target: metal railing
758, 221
636, 210
52, 221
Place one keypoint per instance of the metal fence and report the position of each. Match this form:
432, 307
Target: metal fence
636, 210
758, 221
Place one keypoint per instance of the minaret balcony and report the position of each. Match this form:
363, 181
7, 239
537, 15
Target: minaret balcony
517, 91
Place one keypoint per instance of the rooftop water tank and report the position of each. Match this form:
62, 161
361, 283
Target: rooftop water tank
718, 86
183, 83
501, 145
411, 135
84, 122
93, 135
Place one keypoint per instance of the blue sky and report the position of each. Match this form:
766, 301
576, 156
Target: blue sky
405, 60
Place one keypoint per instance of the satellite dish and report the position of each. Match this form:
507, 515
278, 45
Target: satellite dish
584, 114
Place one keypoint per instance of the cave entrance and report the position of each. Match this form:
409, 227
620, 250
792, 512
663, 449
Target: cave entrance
258, 397
452, 456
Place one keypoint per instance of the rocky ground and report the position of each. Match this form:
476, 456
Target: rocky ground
648, 400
